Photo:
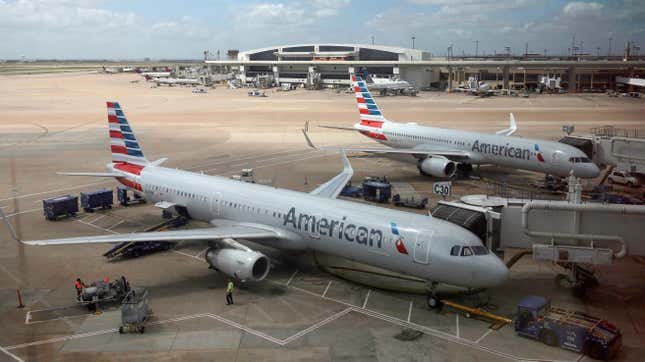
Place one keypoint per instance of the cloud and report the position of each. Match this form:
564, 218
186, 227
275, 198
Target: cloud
579, 9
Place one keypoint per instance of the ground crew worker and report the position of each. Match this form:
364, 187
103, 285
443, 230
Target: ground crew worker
79, 287
229, 292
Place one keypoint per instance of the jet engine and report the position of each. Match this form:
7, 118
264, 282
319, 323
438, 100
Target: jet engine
437, 167
245, 265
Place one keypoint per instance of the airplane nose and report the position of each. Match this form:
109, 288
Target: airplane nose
587, 170
498, 274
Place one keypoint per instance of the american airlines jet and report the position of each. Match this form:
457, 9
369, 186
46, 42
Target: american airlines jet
418, 245
441, 150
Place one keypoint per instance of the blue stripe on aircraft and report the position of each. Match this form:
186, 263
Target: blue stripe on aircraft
119, 112
369, 101
366, 95
135, 153
122, 120
395, 230
372, 106
130, 144
116, 104
374, 113
126, 129
129, 136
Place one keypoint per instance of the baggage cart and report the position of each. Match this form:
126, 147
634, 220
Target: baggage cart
134, 311
60, 206
96, 199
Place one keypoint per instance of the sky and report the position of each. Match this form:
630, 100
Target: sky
164, 29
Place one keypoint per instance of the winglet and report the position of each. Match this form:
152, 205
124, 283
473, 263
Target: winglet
511, 129
333, 187
304, 132
159, 161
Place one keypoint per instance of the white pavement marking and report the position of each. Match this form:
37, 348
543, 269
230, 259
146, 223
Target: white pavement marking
326, 289
316, 326
457, 323
201, 252
115, 225
97, 219
96, 227
484, 335
410, 311
292, 275
366, 298
55, 190
11, 355
27, 317
23, 212
186, 254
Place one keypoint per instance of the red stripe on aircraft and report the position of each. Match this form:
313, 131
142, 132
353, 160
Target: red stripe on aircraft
110, 104
116, 134
360, 100
376, 136
129, 183
119, 149
375, 124
129, 168
363, 111
112, 119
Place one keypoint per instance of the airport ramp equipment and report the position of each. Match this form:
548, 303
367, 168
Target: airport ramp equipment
133, 250
60, 206
125, 200
134, 311
91, 201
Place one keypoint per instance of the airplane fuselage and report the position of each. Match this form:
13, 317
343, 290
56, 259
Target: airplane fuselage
514, 152
408, 243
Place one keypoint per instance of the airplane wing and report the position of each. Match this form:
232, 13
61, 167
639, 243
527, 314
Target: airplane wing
425, 151
218, 233
511, 128
333, 187
339, 127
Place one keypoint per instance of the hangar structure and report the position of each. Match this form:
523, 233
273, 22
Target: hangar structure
328, 64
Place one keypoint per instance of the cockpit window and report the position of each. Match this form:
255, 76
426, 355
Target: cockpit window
479, 249
465, 251
455, 250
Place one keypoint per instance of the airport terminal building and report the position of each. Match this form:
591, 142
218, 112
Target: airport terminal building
321, 65
328, 64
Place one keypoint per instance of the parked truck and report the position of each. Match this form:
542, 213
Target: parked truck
573, 330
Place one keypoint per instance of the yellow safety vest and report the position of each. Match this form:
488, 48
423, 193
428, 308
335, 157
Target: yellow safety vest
229, 288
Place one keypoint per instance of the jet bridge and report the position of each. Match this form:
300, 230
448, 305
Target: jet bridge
570, 233
621, 148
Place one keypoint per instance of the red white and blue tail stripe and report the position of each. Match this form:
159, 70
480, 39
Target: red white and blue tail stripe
370, 114
123, 143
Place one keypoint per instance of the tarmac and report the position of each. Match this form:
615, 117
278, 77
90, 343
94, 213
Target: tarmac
57, 122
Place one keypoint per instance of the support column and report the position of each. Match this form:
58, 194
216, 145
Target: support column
573, 79
276, 75
449, 79
505, 71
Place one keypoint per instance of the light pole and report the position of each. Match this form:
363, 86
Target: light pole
609, 48
476, 47
413, 37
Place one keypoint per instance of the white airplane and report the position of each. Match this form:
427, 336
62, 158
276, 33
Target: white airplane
385, 85
178, 81
153, 75
418, 245
441, 150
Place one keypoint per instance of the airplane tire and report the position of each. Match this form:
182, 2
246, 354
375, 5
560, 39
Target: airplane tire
549, 338
433, 302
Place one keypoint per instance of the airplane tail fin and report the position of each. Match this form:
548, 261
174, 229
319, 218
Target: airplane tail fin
123, 143
369, 112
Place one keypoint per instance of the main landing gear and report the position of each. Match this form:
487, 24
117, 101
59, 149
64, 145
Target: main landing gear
433, 301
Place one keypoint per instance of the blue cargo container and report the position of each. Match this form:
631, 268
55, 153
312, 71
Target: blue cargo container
96, 199
125, 200
60, 206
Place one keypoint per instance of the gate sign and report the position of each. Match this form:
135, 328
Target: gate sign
442, 188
